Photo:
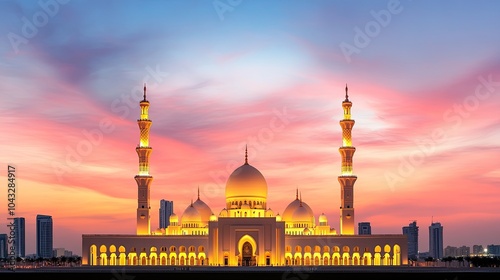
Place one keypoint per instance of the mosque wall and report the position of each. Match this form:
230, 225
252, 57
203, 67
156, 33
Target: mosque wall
115, 249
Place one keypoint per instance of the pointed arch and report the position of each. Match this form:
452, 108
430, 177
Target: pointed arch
112, 259
249, 239
122, 259
356, 258
367, 258
143, 259
396, 255
163, 258
93, 254
377, 257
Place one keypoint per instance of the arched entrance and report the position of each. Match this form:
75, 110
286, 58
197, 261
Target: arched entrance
247, 247
247, 257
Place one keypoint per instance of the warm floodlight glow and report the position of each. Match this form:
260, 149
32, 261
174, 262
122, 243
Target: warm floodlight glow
347, 112
346, 179
346, 171
144, 110
143, 178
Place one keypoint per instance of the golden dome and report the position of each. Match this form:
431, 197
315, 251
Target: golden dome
173, 218
278, 218
191, 215
213, 218
294, 205
303, 215
203, 209
246, 182
269, 213
322, 218
223, 213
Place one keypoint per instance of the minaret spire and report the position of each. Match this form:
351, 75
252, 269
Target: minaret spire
143, 178
246, 155
297, 194
300, 199
346, 93
347, 179
198, 192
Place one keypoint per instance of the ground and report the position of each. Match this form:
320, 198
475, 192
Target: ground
281, 273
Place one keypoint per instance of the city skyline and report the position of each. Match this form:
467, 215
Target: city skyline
425, 94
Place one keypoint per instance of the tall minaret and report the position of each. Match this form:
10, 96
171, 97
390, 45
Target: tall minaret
143, 179
346, 179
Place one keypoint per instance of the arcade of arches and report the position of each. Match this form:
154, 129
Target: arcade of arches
196, 256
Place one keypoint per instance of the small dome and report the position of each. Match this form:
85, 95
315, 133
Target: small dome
203, 209
294, 205
269, 213
223, 213
191, 215
307, 231
213, 218
322, 218
278, 218
173, 218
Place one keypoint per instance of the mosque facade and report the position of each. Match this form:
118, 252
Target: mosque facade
246, 232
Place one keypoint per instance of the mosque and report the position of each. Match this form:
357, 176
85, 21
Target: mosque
246, 232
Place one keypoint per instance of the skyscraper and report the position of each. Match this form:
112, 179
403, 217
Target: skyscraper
143, 178
412, 232
166, 209
44, 236
436, 240
347, 179
20, 239
3, 246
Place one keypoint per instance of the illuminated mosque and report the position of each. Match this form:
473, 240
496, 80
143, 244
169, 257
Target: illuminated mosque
246, 232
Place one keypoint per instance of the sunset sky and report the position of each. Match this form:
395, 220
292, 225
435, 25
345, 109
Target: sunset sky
423, 77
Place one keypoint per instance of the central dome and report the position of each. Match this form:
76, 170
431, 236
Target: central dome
246, 182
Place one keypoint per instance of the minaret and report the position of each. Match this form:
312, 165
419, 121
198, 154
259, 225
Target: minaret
143, 179
346, 179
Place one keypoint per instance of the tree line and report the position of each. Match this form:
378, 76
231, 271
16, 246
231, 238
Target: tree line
474, 261
39, 261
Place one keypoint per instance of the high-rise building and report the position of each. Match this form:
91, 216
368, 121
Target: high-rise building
44, 236
58, 252
3, 246
20, 237
451, 251
477, 249
436, 240
364, 228
143, 178
166, 209
493, 250
346, 178
412, 232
